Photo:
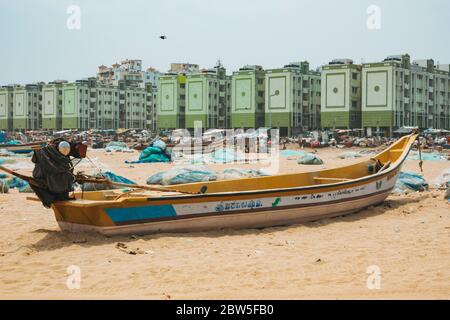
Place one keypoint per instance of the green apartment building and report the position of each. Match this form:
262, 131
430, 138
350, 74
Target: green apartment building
292, 98
6, 108
248, 97
52, 105
76, 105
171, 102
341, 95
208, 96
27, 107
399, 93
89, 104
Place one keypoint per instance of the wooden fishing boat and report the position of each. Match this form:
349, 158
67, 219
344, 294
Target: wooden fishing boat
23, 148
246, 203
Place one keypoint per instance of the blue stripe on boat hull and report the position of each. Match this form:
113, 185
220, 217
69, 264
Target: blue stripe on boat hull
140, 213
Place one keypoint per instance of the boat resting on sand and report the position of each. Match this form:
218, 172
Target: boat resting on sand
23, 148
246, 203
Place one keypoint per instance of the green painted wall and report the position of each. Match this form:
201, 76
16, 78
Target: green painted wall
279, 119
377, 118
167, 122
49, 123
335, 119
70, 108
69, 122
4, 124
20, 124
244, 120
245, 99
190, 119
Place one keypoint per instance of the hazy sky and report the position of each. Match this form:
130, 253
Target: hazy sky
36, 44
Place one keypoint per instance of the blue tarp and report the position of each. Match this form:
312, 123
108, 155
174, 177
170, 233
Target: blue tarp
116, 146
192, 174
111, 177
2, 136
292, 153
182, 175
14, 182
309, 158
14, 142
411, 181
152, 154
433, 156
226, 156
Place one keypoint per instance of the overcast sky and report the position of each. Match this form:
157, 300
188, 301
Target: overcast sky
37, 45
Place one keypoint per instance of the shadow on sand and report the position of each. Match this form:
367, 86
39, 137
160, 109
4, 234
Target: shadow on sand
56, 239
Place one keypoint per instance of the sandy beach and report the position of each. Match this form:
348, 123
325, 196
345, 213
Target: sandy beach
407, 238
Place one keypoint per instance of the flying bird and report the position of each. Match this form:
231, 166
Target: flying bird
163, 37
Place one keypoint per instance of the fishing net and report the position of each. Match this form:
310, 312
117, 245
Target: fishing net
309, 159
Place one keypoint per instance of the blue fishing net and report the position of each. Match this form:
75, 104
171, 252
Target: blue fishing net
309, 158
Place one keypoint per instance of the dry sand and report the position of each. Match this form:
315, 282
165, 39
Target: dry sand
407, 237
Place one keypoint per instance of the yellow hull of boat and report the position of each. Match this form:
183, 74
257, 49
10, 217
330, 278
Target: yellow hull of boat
244, 203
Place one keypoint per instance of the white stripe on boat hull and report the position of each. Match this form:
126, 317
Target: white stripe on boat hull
260, 219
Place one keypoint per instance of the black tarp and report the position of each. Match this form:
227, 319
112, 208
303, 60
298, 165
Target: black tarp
53, 171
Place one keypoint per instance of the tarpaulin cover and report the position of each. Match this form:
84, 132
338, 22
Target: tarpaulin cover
53, 170
14, 182
183, 175
433, 156
117, 146
411, 181
2, 136
309, 158
292, 153
109, 176
226, 156
236, 173
152, 154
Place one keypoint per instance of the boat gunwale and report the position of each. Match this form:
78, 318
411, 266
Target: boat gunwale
378, 175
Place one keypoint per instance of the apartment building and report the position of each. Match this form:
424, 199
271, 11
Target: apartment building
135, 107
341, 95
151, 100
52, 105
171, 102
248, 97
77, 99
398, 92
27, 107
292, 98
6, 107
208, 96
128, 71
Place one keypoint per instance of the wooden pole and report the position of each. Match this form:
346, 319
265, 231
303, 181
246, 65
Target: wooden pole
28, 179
119, 184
